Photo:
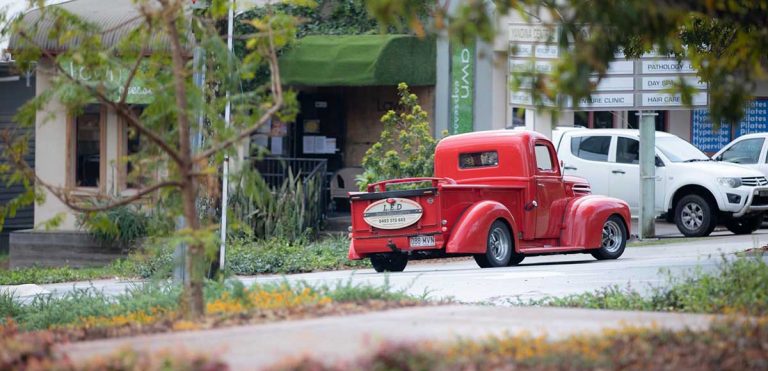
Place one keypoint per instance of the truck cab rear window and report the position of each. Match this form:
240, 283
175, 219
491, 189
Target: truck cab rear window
478, 159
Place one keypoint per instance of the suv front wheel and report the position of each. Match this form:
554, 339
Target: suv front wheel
694, 216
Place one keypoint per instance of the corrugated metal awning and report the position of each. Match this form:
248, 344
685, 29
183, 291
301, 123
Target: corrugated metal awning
116, 19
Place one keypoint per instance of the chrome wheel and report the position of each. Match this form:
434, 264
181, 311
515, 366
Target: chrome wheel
692, 216
612, 236
499, 244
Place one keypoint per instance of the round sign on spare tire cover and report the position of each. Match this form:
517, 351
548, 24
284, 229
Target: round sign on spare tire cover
386, 214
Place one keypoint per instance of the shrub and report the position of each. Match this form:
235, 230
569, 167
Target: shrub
282, 256
123, 225
154, 260
37, 351
406, 147
286, 212
733, 345
38, 275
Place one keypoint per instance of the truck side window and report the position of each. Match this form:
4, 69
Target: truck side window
543, 158
745, 152
593, 148
478, 159
627, 151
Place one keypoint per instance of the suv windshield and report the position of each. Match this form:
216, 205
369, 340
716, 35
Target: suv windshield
678, 150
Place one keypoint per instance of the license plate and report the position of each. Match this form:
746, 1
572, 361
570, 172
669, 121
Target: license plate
422, 241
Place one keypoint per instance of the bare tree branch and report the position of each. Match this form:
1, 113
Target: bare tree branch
65, 194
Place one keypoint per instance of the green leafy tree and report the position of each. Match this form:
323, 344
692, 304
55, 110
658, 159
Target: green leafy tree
724, 39
155, 46
406, 147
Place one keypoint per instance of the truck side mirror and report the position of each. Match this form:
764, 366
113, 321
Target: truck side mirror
659, 163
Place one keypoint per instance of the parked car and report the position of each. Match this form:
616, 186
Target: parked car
749, 150
497, 195
692, 191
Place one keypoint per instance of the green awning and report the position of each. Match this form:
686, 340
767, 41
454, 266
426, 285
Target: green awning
360, 60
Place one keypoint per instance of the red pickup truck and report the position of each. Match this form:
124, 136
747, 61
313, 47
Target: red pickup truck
497, 195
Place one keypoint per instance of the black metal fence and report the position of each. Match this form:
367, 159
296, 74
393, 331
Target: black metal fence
311, 172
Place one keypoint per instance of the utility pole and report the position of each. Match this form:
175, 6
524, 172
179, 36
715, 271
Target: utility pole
647, 174
225, 165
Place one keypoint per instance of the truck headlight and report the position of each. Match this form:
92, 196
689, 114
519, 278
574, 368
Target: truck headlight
730, 182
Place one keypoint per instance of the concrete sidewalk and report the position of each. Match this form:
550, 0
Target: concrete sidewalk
343, 338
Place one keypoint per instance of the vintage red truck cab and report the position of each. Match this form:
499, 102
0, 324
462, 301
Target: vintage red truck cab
497, 195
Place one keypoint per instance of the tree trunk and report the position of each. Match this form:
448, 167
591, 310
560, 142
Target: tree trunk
193, 305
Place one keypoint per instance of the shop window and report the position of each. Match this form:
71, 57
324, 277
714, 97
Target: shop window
596, 120
581, 119
132, 144
86, 145
518, 117
660, 119
602, 120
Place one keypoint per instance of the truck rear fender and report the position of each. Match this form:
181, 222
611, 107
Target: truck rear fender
584, 218
470, 234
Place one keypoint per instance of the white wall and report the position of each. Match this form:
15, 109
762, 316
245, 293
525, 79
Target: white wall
51, 153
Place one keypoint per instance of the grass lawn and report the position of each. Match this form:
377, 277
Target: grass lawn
154, 307
738, 285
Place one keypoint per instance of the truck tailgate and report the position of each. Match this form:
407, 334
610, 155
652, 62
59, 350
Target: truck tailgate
406, 220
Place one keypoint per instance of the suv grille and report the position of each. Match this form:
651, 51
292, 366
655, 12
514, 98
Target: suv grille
582, 189
754, 181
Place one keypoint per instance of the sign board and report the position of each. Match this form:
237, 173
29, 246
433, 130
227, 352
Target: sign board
112, 78
707, 139
703, 133
462, 88
392, 213
641, 84
755, 119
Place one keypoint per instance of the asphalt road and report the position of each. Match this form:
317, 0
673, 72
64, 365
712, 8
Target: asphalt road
641, 267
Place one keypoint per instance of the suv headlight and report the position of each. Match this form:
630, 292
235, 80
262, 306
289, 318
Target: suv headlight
730, 182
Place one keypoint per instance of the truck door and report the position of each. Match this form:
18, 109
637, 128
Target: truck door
586, 156
550, 192
625, 175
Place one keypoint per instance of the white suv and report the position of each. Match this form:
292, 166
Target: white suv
691, 190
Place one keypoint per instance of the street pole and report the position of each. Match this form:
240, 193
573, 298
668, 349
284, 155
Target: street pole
225, 175
647, 174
